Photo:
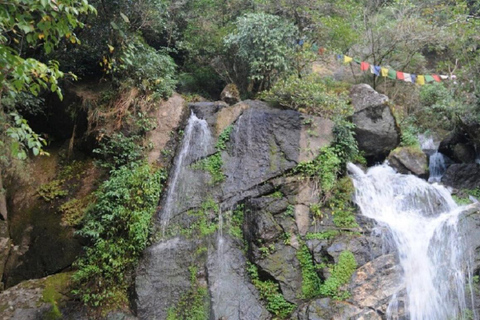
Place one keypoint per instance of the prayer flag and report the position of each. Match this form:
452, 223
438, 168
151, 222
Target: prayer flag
414, 77
377, 70
392, 74
407, 77
321, 50
436, 77
443, 77
347, 59
421, 80
339, 56
384, 72
357, 61
429, 78
400, 75
314, 48
364, 66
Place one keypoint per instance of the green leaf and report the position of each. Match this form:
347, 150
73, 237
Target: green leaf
124, 17
35, 151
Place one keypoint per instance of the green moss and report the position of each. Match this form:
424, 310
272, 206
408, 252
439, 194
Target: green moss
310, 279
341, 205
340, 275
194, 304
74, 210
270, 293
329, 234
52, 293
213, 165
52, 190
207, 220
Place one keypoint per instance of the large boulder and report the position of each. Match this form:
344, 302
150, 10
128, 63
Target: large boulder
409, 160
376, 130
230, 94
458, 147
462, 176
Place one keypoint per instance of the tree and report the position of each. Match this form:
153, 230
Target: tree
260, 49
26, 27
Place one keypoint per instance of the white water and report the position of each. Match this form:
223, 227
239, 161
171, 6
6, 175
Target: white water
437, 167
422, 219
196, 141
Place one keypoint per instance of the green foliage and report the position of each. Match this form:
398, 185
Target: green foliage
326, 235
193, 305
22, 137
341, 205
119, 150
260, 45
345, 144
74, 210
52, 190
270, 293
207, 220
117, 226
235, 222
409, 137
340, 275
213, 165
310, 279
223, 138
309, 94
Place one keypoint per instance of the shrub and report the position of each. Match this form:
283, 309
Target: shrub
310, 280
117, 226
340, 275
119, 150
308, 94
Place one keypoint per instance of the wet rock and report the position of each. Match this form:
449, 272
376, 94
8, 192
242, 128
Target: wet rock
233, 297
376, 130
230, 94
458, 146
163, 276
462, 176
408, 160
283, 266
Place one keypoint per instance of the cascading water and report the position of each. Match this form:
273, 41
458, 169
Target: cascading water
422, 219
195, 145
437, 167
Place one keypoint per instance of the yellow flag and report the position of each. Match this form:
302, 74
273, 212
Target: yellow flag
421, 80
384, 71
347, 59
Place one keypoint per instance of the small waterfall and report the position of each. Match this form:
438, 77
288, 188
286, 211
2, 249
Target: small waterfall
437, 167
196, 142
422, 219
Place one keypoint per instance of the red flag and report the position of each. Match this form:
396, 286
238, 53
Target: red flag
400, 75
364, 66
436, 77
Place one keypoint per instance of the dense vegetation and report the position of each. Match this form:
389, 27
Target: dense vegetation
145, 50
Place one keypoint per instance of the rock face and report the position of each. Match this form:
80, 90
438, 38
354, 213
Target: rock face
408, 160
230, 94
462, 176
5, 244
376, 130
458, 147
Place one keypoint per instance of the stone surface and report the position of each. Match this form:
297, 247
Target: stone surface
168, 116
462, 176
233, 297
457, 145
316, 133
26, 300
5, 246
408, 160
163, 276
376, 130
230, 94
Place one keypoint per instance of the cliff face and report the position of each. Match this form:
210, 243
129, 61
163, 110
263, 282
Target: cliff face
249, 237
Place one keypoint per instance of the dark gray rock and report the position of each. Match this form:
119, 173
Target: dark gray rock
233, 297
458, 146
163, 276
5, 246
283, 266
376, 130
462, 176
408, 160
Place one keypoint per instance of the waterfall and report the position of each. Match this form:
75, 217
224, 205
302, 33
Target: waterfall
422, 219
437, 167
195, 145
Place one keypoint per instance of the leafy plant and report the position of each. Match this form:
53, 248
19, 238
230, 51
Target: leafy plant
117, 227
119, 150
270, 293
52, 190
340, 275
310, 279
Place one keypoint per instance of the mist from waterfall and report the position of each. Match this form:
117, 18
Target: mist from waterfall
422, 219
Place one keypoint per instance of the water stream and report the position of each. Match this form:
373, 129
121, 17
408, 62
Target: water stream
422, 219
195, 145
